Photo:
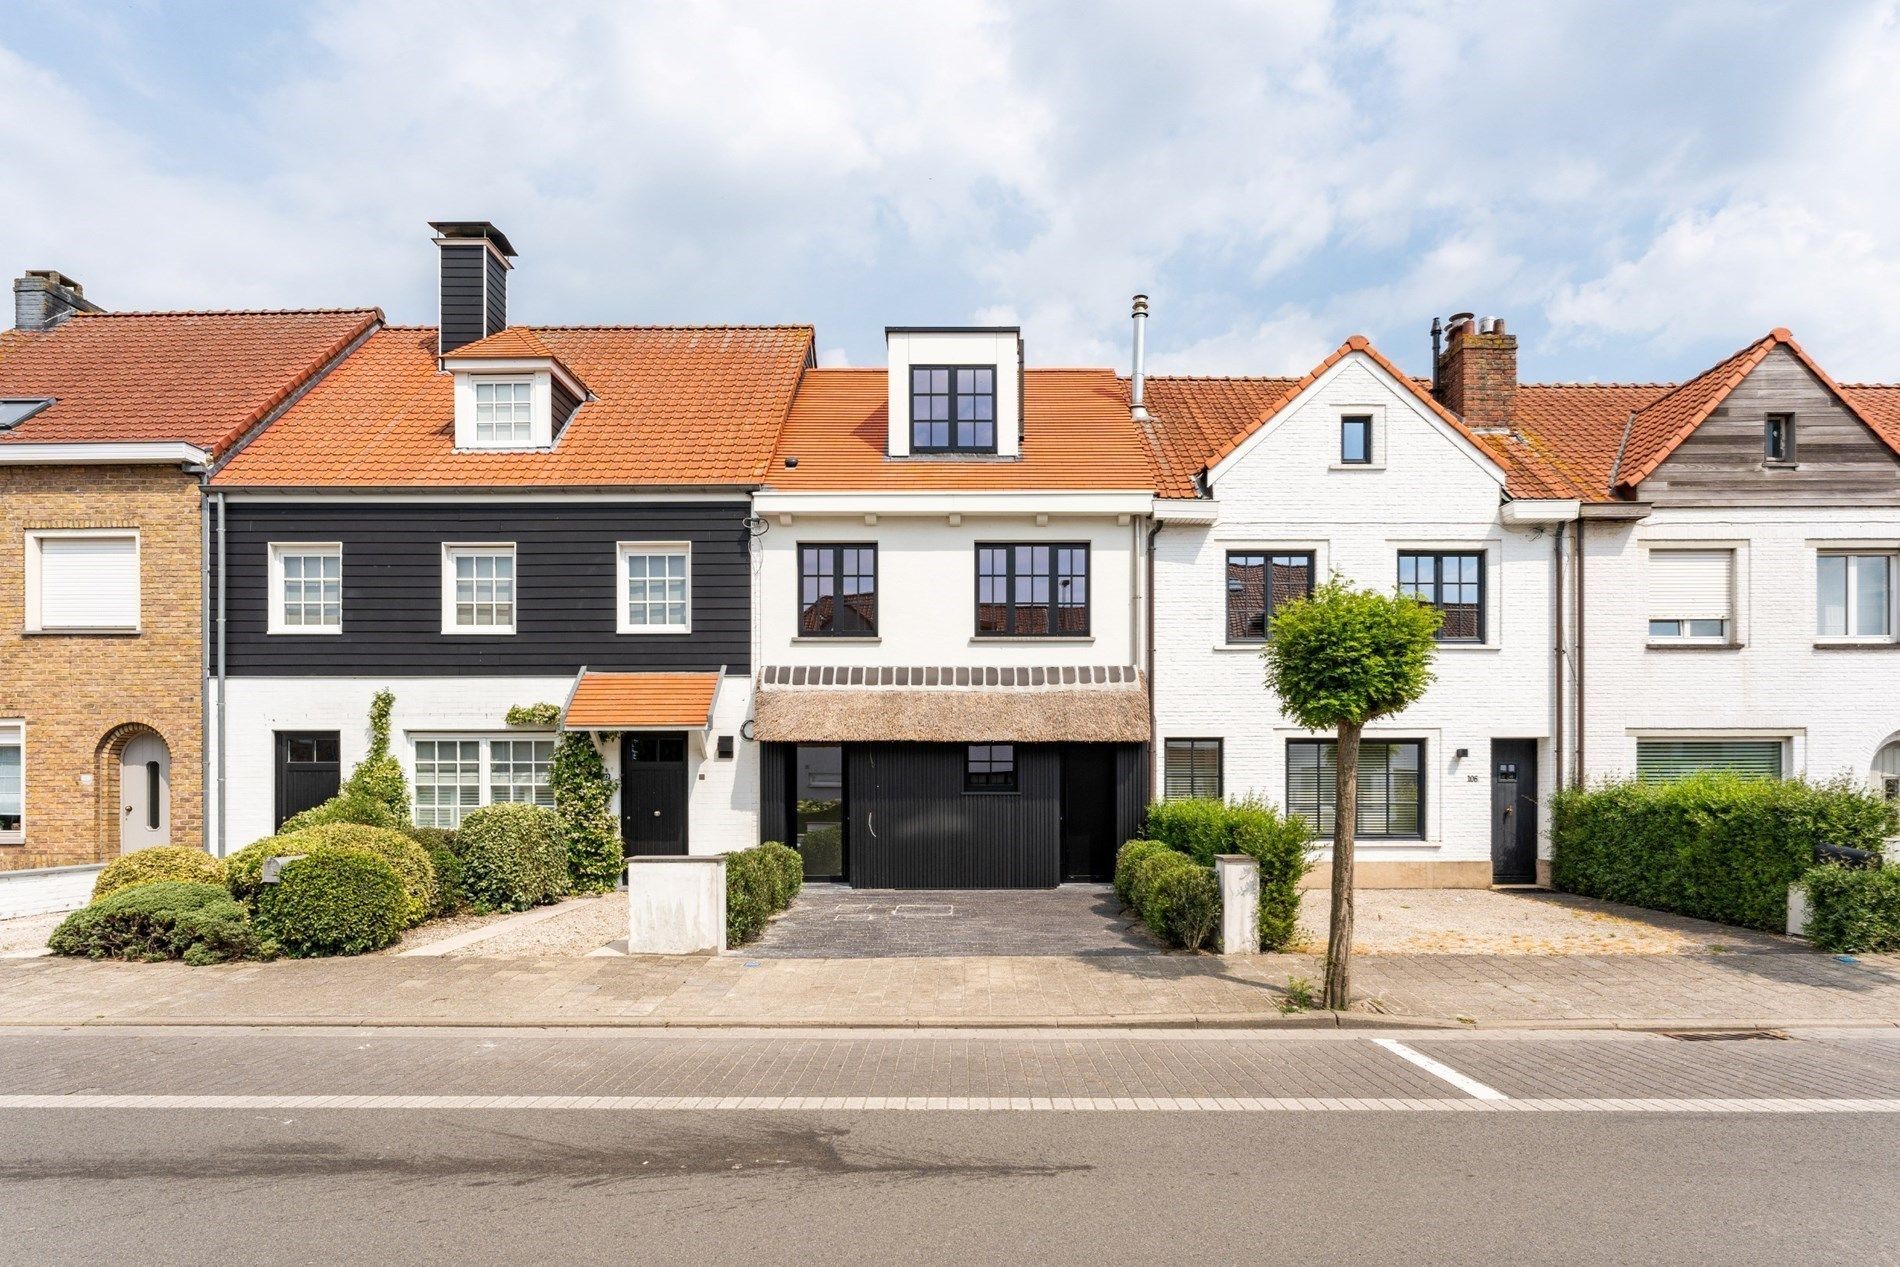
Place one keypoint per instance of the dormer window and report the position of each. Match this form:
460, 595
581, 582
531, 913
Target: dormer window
953, 409
504, 414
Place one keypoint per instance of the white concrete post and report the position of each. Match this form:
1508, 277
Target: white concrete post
1797, 911
1239, 876
676, 904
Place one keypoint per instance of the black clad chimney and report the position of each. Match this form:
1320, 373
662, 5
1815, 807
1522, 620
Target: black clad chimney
475, 266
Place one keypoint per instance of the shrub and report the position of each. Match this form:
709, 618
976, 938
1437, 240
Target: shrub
1853, 911
347, 808
1715, 846
244, 870
376, 794
583, 797
431, 837
513, 856
760, 882
790, 865
161, 862
449, 894
1281, 843
341, 901
1197, 826
161, 919
1178, 898
1130, 856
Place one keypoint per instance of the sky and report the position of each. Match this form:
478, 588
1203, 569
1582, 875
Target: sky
1638, 189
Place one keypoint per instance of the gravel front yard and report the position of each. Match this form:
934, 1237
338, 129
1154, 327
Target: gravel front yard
29, 932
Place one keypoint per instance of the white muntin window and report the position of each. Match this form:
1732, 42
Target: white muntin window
655, 587
458, 773
1854, 597
306, 587
478, 588
12, 782
1692, 596
504, 413
82, 580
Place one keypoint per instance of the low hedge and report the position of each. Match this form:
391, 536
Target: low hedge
1129, 857
1853, 911
244, 870
162, 919
513, 856
760, 882
449, 894
1177, 897
161, 862
335, 901
1281, 844
1715, 846
348, 806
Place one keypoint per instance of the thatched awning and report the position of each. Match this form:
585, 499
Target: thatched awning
955, 704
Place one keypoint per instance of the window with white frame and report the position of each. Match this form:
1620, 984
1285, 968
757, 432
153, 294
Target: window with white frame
82, 581
478, 589
12, 783
456, 775
655, 587
306, 587
1691, 595
1853, 597
504, 414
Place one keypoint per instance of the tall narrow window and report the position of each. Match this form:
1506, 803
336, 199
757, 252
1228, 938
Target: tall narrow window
990, 767
1391, 786
1454, 584
478, 589
1853, 596
1257, 584
953, 408
1355, 439
307, 588
1030, 591
837, 591
504, 415
1777, 438
12, 783
655, 587
1191, 768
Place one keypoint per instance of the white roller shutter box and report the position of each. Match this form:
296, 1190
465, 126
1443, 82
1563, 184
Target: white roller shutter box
1691, 584
89, 582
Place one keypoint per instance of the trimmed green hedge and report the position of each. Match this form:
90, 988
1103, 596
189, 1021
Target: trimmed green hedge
161, 919
760, 882
1130, 856
1715, 846
513, 856
161, 862
1853, 912
336, 901
1177, 898
244, 870
1204, 828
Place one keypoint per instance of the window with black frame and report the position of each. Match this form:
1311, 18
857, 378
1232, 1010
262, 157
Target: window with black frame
1391, 786
837, 591
990, 767
1191, 768
1257, 584
1453, 583
953, 409
1032, 591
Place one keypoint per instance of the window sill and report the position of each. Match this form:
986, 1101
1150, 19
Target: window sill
980, 639
1469, 646
1686, 645
478, 633
1856, 644
81, 633
1356, 466
1383, 842
1251, 647
821, 639
305, 633
653, 631
1780, 466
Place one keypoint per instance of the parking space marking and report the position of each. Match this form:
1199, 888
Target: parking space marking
1444, 1072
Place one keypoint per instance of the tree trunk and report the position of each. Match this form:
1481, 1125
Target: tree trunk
1345, 819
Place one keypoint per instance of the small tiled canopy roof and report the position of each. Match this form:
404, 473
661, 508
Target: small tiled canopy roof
198, 378
951, 704
641, 701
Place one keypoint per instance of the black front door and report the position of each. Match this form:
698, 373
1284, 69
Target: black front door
653, 793
1513, 811
1088, 812
817, 809
307, 770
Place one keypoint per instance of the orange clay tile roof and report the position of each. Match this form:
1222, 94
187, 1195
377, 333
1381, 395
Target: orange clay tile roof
515, 341
1077, 435
627, 701
1574, 430
200, 378
672, 405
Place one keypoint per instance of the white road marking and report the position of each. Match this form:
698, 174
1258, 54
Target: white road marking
950, 1104
1470, 1086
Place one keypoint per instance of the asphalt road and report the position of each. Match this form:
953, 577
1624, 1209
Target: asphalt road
1313, 1149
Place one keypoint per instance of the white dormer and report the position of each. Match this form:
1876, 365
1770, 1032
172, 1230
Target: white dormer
511, 393
955, 392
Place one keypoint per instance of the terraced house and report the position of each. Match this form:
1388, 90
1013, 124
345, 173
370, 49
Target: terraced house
107, 425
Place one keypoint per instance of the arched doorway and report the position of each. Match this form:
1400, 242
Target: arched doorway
135, 796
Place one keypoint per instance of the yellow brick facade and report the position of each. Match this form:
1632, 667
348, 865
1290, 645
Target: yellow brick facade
81, 697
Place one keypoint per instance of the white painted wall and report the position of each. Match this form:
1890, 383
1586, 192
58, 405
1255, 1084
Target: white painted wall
1001, 348
1834, 707
927, 590
1425, 490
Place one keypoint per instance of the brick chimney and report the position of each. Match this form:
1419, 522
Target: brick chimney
43, 297
1476, 374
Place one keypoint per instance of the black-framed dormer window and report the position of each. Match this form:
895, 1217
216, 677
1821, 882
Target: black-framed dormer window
953, 409
1032, 591
1777, 438
989, 767
1355, 440
837, 591
1453, 583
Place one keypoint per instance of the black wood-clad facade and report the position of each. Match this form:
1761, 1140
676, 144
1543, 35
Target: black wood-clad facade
474, 294
565, 573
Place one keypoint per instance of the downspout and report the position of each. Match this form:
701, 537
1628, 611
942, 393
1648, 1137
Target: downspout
204, 657
1576, 547
1557, 651
223, 762
1154, 746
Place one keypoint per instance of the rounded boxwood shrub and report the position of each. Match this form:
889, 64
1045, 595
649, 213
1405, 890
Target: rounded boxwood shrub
513, 856
348, 807
243, 870
338, 901
1127, 858
161, 919
161, 862
1184, 904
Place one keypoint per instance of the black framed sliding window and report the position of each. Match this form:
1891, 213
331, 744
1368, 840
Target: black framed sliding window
1191, 768
953, 409
837, 591
1032, 591
989, 767
1257, 583
1391, 786
1454, 584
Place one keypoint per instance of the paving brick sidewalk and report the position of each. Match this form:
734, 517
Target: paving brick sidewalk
731, 989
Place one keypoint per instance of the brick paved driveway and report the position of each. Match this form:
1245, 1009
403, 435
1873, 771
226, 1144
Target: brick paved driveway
831, 921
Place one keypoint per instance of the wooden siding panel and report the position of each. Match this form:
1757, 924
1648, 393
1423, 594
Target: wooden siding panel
462, 285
